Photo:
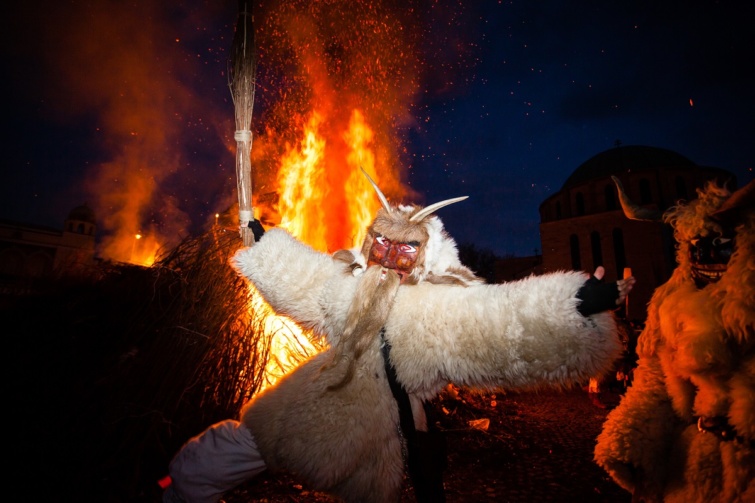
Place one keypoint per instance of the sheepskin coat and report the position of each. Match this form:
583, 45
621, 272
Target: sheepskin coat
697, 359
520, 335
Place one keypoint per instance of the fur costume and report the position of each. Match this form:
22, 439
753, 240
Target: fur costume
333, 421
518, 335
685, 429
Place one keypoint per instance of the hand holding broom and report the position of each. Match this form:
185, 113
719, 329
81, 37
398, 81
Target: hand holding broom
241, 81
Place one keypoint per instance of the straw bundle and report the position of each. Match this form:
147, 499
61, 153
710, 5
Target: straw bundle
241, 80
132, 364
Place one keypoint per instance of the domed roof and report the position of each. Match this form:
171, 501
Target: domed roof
625, 159
83, 213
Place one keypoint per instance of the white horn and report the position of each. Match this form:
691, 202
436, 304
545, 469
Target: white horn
632, 210
434, 207
380, 195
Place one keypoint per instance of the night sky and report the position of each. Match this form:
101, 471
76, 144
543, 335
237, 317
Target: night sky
505, 101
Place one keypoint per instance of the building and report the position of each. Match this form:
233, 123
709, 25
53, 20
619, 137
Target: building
582, 226
516, 268
30, 251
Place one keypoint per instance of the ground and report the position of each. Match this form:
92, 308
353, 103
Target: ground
536, 448
91, 422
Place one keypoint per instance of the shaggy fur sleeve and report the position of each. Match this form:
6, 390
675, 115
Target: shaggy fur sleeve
633, 447
517, 335
522, 334
297, 281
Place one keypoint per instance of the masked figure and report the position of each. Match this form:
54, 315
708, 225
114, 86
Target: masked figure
401, 306
685, 430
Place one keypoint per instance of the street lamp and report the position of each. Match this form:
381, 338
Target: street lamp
627, 274
137, 237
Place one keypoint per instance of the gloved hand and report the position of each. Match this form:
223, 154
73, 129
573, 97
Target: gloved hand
596, 295
257, 229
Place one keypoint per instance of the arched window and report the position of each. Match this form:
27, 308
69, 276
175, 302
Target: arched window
618, 251
38, 265
11, 262
681, 188
558, 210
576, 260
580, 202
80, 228
646, 196
610, 195
597, 252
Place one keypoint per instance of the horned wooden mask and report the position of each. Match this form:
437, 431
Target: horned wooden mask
409, 239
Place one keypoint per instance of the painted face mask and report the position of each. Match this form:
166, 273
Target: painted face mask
410, 240
709, 256
705, 228
398, 256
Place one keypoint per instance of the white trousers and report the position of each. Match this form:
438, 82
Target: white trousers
212, 463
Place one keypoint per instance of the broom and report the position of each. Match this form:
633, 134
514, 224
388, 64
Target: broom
241, 81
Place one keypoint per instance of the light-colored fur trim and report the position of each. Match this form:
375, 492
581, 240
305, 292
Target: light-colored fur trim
292, 277
345, 441
518, 335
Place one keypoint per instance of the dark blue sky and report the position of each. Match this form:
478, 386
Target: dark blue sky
512, 97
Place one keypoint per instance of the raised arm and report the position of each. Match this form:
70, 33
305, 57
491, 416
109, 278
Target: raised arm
516, 335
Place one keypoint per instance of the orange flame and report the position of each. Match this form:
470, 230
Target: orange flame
338, 81
351, 80
328, 216
362, 204
289, 344
303, 192
303, 188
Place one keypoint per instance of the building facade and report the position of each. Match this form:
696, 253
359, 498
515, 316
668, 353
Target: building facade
34, 251
582, 226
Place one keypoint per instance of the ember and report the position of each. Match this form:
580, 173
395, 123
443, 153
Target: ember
332, 83
332, 87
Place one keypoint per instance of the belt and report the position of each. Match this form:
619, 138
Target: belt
720, 427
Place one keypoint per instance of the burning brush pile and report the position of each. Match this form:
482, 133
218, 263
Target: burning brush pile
111, 375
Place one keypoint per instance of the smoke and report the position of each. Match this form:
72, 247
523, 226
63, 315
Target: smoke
144, 85
333, 58
132, 73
